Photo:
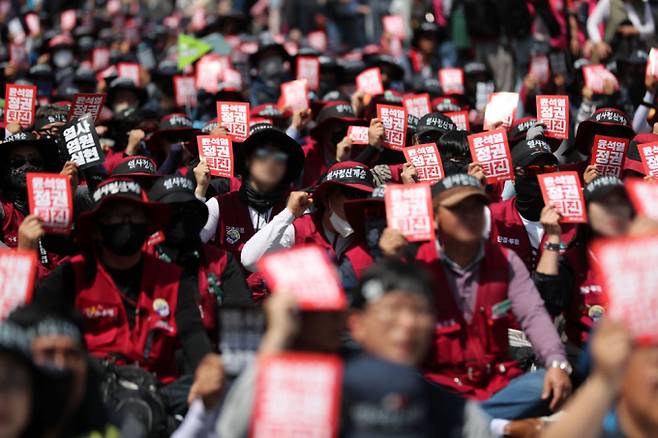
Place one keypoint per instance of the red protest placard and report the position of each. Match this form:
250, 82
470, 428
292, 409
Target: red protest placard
409, 210
491, 150
294, 95
234, 116
67, 20
501, 108
643, 196
553, 112
185, 91
452, 80
100, 58
129, 70
427, 160
563, 190
297, 395
87, 103
394, 25
308, 67
209, 73
460, 118
649, 156
217, 151
17, 271
540, 68
49, 197
317, 40
626, 267
307, 273
20, 102
358, 134
652, 63
417, 104
370, 81
394, 119
595, 77
608, 154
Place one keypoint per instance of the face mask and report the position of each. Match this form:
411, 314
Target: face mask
17, 176
529, 201
453, 167
123, 239
341, 226
62, 58
182, 233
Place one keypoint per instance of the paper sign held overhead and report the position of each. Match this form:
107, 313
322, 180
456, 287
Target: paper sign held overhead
452, 80
129, 70
50, 198
87, 103
234, 116
20, 103
394, 119
649, 157
417, 104
17, 272
608, 154
553, 112
643, 196
370, 82
652, 63
596, 76
563, 190
501, 109
358, 134
460, 118
317, 40
306, 272
217, 152
79, 142
427, 160
294, 95
540, 68
308, 67
491, 150
409, 210
100, 58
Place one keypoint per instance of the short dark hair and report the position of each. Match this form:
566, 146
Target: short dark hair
454, 144
389, 275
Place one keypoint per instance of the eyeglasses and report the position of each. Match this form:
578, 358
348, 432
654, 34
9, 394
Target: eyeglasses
537, 169
264, 154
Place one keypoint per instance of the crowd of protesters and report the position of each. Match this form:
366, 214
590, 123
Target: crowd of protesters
150, 316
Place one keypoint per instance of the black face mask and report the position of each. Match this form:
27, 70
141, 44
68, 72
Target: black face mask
529, 201
123, 239
453, 167
16, 176
183, 233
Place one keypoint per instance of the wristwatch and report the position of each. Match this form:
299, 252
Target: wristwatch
549, 246
562, 365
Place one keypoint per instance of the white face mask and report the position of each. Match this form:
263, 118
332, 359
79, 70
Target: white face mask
341, 226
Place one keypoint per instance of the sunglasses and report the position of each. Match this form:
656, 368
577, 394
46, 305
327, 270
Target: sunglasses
538, 169
264, 154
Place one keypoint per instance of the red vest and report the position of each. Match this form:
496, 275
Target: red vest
472, 357
507, 230
588, 302
153, 339
211, 268
306, 232
12, 220
235, 228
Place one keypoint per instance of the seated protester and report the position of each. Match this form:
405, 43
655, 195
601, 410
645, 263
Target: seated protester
515, 221
619, 397
57, 345
326, 226
136, 308
269, 162
610, 122
137, 168
567, 282
20, 154
220, 277
477, 283
174, 144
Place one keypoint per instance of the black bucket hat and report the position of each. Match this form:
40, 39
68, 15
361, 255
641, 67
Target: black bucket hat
611, 122
435, 122
266, 44
47, 148
527, 151
125, 84
135, 166
176, 123
339, 111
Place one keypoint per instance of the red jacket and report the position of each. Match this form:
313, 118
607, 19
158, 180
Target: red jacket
472, 357
235, 228
507, 230
152, 342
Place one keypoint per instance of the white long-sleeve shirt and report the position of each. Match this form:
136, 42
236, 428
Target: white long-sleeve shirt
279, 233
602, 11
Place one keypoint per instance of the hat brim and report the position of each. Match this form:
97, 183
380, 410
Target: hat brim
453, 196
294, 151
634, 165
321, 190
48, 148
589, 128
529, 159
253, 58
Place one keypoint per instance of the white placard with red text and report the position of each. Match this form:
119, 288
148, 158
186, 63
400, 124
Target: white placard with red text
87, 103
491, 150
460, 118
294, 95
563, 190
626, 267
417, 104
394, 119
643, 196
540, 68
501, 109
297, 395
20, 103
49, 197
358, 134
370, 81
409, 210
553, 112
595, 77
307, 273
217, 151
608, 154
649, 157
308, 67
452, 80
427, 160
234, 117
185, 91
209, 72
100, 58
129, 70
17, 272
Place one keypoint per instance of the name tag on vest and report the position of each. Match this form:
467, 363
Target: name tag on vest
499, 310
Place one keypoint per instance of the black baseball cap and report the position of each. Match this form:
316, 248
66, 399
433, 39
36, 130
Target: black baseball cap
527, 151
435, 122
